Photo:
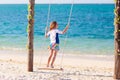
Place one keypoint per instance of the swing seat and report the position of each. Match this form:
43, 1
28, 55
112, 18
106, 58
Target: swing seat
46, 68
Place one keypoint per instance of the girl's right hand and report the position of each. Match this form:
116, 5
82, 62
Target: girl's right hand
46, 29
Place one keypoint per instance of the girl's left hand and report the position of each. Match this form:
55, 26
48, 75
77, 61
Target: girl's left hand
67, 26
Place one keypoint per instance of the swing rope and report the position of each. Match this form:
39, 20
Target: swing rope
71, 9
65, 41
47, 23
48, 16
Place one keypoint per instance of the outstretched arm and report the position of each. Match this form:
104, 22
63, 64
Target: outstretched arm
65, 30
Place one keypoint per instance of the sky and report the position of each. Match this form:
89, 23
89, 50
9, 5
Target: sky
55, 1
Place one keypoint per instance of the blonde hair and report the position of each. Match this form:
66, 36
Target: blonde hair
53, 25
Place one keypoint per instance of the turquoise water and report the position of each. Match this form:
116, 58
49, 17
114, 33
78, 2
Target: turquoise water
91, 30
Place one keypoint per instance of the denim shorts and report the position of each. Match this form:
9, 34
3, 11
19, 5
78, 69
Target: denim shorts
54, 46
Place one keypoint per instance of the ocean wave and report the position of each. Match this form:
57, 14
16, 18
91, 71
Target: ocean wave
12, 48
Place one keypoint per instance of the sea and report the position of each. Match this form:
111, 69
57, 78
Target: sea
90, 32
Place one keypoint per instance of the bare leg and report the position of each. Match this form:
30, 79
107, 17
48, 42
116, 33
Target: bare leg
49, 59
54, 57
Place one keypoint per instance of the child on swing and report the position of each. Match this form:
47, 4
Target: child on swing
53, 33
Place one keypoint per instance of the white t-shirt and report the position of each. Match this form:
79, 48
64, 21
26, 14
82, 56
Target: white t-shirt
54, 38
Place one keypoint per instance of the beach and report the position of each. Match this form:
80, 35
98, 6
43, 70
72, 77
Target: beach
86, 50
75, 67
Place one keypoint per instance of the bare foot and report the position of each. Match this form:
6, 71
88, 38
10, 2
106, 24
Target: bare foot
47, 65
52, 66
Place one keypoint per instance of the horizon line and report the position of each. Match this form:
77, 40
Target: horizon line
58, 3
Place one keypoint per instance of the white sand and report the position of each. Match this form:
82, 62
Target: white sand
13, 65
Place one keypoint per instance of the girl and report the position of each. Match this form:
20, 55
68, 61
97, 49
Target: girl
53, 32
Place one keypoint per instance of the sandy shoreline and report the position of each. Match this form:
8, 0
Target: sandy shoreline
76, 67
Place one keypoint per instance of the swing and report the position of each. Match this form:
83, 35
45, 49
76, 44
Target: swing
59, 69
69, 19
